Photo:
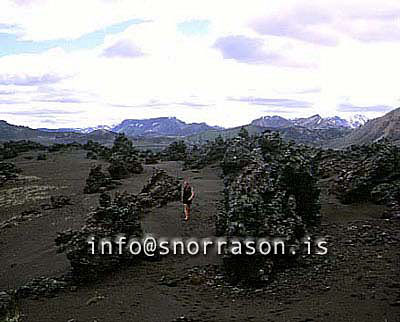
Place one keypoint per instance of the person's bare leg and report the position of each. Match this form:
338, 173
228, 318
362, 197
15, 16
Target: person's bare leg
187, 212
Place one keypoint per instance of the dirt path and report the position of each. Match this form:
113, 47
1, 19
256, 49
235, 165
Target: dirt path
358, 281
146, 292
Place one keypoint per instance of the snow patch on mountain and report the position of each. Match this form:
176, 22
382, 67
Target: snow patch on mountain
358, 120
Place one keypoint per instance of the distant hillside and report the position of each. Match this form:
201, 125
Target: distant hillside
314, 137
9, 132
161, 126
156, 143
225, 133
13, 132
387, 126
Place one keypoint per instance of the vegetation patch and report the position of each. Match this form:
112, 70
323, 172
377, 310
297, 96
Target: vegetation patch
21, 195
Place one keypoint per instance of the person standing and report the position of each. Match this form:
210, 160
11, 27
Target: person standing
187, 197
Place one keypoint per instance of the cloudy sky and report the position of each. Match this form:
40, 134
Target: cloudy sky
87, 62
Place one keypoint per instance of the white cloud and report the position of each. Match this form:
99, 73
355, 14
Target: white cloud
152, 69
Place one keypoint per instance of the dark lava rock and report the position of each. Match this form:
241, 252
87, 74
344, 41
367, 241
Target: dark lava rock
57, 202
370, 173
160, 189
370, 170
60, 201
5, 303
123, 166
41, 286
119, 217
41, 157
8, 172
124, 159
26, 215
11, 149
96, 151
98, 181
206, 154
176, 151
270, 190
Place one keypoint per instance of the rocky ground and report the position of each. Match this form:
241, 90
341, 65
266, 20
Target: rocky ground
358, 280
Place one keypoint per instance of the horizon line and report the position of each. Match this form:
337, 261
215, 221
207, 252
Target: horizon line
179, 119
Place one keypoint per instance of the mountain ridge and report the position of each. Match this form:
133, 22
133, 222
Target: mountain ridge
384, 127
312, 122
171, 126
159, 126
330, 132
10, 132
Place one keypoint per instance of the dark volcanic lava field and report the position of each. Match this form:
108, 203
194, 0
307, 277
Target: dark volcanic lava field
358, 280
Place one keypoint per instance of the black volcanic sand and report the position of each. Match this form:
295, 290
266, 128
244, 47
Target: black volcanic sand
358, 280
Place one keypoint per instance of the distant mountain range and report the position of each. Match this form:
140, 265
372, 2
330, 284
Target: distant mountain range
171, 126
299, 134
333, 132
313, 122
78, 130
387, 126
148, 133
161, 126
314, 130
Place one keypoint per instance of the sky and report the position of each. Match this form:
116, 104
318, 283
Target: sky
74, 63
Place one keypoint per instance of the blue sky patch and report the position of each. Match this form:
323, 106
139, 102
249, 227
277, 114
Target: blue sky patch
10, 44
194, 27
